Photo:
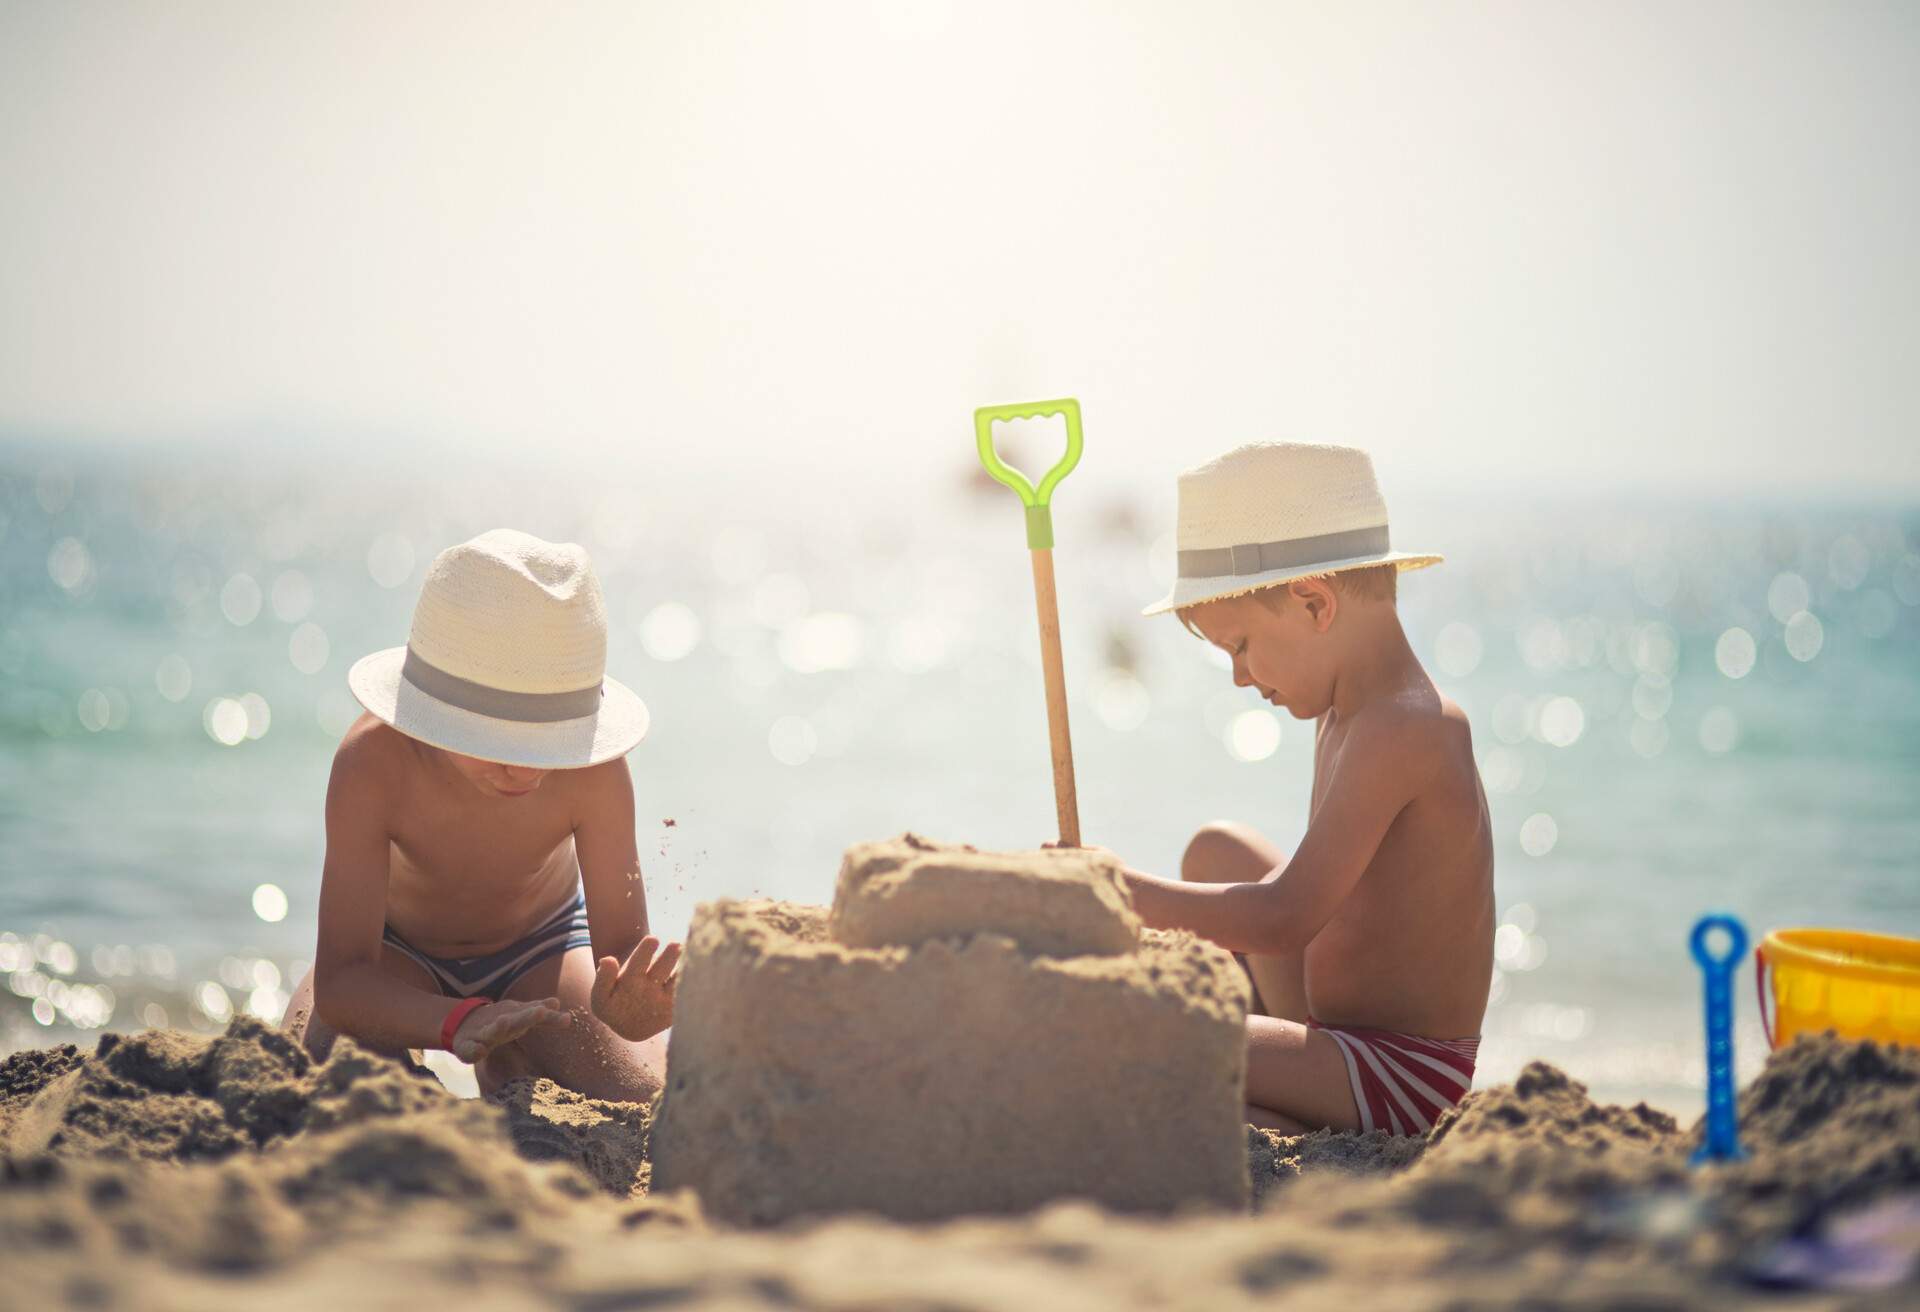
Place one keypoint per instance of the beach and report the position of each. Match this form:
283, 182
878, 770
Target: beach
164, 1170
1593, 667
441, 443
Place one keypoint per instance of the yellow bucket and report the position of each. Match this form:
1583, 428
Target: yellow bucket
1863, 986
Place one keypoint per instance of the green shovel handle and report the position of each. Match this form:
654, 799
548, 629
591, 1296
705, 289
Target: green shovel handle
1036, 499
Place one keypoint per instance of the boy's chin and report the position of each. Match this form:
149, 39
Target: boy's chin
1280, 705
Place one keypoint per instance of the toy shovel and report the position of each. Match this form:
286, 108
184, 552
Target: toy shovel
1040, 542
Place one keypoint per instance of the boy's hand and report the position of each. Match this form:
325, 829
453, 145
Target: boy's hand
635, 998
499, 1023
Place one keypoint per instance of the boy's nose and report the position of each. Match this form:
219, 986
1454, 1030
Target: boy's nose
1241, 679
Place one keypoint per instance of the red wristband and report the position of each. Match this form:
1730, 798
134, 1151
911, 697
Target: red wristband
461, 1010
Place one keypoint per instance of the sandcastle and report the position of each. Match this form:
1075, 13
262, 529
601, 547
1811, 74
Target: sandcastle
961, 1032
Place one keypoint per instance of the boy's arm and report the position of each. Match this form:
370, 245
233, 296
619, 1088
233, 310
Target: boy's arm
604, 842
635, 976
351, 993
1379, 772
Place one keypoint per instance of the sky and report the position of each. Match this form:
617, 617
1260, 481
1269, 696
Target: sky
1654, 247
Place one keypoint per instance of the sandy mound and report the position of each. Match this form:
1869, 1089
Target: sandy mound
165, 1095
1544, 1109
1056, 902
26, 1073
1275, 1160
237, 1153
1829, 1126
1001, 1035
606, 1140
1543, 1130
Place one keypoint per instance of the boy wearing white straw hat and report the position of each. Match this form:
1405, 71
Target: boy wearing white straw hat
1370, 946
480, 853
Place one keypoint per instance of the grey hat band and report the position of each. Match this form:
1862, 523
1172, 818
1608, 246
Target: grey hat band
498, 703
1260, 557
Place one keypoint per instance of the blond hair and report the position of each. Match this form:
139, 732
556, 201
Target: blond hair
1367, 583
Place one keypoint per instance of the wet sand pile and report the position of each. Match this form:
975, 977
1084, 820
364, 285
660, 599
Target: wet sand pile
165, 1171
166, 1096
236, 1154
962, 1033
1830, 1127
605, 1140
24, 1074
1544, 1132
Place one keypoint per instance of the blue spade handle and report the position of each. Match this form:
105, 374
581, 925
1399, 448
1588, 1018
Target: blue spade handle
1722, 1142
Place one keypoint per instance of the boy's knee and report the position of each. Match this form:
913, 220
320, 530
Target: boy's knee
312, 1034
1205, 860
303, 1025
503, 1066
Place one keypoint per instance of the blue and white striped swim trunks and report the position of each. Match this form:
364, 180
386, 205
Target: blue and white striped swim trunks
492, 975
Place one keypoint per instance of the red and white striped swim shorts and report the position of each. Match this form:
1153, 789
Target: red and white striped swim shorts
1402, 1082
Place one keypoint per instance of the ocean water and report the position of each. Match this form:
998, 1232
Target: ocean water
1677, 707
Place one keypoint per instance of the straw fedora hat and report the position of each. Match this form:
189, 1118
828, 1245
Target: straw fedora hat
1273, 512
507, 659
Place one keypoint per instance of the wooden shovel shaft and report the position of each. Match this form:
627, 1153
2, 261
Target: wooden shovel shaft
1063, 795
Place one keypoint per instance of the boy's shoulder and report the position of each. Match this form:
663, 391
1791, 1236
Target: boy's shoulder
372, 768
1414, 726
372, 746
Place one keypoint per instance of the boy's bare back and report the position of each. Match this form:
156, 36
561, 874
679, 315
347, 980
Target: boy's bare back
1411, 947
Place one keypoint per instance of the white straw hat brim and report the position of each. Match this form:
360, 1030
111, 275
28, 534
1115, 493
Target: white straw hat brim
613, 730
1191, 592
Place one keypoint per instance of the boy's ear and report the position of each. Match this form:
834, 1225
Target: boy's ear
1319, 600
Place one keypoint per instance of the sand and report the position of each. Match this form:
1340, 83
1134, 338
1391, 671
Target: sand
166, 1171
999, 1034
1054, 902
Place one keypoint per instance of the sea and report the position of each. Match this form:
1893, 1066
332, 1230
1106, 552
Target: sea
1681, 705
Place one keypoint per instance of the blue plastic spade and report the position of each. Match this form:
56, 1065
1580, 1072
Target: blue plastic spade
1722, 1143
